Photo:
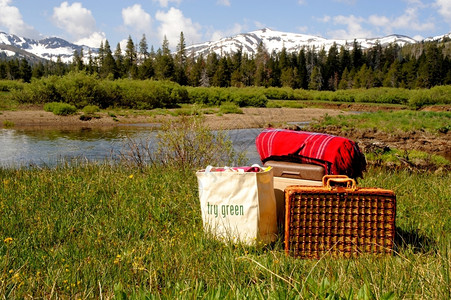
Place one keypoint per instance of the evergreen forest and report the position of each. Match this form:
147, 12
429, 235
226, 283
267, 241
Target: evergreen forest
422, 65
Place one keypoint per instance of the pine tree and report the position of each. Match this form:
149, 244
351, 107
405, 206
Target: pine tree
344, 59
344, 83
143, 49
248, 69
316, 79
356, 55
13, 69
38, 70
119, 59
91, 68
3, 71
332, 68
109, 65
164, 62
409, 73
196, 70
25, 70
375, 57
180, 61
261, 60
77, 60
101, 55
221, 77
288, 77
211, 65
393, 75
302, 70
60, 67
146, 70
130, 59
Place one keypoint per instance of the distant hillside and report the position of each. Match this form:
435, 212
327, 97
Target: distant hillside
51, 48
48, 48
276, 40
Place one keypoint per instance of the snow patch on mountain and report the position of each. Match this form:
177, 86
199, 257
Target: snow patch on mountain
274, 40
53, 48
48, 48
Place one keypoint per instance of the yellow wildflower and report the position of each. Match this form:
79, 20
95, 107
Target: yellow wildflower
8, 240
131, 176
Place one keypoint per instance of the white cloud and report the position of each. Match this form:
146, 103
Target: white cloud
137, 19
93, 40
357, 27
78, 22
444, 8
324, 19
172, 23
379, 21
409, 20
259, 25
74, 19
223, 2
11, 19
418, 38
303, 29
165, 3
302, 2
353, 25
236, 29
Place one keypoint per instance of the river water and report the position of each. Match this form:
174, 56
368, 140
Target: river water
47, 147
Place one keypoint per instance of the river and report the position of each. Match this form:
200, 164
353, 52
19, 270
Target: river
47, 147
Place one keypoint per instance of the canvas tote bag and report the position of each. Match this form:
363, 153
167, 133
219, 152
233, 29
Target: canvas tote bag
238, 205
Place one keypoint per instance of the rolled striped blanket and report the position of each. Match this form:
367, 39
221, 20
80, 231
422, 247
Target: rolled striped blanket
338, 155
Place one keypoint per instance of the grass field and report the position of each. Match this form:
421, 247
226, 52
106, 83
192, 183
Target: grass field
391, 121
82, 231
101, 230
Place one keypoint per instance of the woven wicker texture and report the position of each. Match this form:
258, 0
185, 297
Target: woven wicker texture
341, 222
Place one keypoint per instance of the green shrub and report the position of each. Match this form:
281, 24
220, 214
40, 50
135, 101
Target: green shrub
10, 85
185, 144
91, 109
440, 94
279, 93
85, 118
240, 96
40, 91
230, 108
420, 98
60, 109
150, 94
81, 89
8, 124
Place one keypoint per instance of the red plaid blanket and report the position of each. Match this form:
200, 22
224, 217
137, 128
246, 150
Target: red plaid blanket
338, 155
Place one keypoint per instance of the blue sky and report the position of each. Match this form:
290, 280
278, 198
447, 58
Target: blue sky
89, 22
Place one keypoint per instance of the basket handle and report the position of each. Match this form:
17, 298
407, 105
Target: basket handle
350, 183
327, 177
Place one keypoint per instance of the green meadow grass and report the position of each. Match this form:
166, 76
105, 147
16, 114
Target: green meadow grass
392, 121
108, 230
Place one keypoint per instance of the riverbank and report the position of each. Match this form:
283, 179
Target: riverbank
251, 117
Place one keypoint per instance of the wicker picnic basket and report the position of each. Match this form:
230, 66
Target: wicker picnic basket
338, 219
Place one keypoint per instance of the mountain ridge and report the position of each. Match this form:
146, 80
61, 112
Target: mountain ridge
274, 40
52, 48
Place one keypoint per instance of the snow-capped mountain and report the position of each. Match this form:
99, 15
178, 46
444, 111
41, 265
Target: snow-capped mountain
275, 40
272, 40
48, 48
438, 38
